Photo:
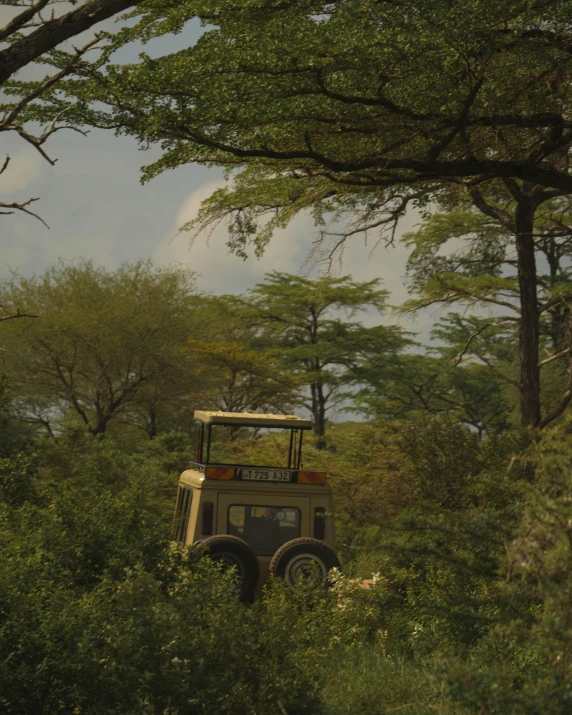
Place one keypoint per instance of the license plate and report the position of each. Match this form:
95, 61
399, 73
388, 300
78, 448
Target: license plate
265, 475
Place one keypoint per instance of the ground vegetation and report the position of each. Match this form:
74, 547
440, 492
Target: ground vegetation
462, 532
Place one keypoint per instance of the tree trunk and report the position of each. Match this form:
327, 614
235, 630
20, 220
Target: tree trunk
99, 429
529, 323
152, 424
560, 313
319, 415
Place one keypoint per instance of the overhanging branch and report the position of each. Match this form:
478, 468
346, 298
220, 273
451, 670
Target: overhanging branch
57, 30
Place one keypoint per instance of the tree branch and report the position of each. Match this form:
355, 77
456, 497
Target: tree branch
392, 172
468, 342
459, 125
18, 22
21, 207
46, 84
473, 296
493, 212
554, 357
562, 405
17, 315
56, 31
555, 301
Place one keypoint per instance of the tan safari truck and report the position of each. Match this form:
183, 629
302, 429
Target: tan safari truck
258, 518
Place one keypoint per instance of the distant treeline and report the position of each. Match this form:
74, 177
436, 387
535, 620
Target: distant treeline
141, 347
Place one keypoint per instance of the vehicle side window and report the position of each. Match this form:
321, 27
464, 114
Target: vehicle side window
264, 528
184, 500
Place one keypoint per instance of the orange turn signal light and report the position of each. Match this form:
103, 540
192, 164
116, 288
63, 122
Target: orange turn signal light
225, 473
311, 477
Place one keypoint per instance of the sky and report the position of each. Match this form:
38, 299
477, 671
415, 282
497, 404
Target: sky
97, 209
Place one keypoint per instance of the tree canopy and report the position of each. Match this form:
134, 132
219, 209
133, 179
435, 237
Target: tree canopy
237, 374
102, 344
306, 325
353, 106
355, 110
468, 252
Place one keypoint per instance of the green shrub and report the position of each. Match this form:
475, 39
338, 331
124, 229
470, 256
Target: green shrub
98, 612
523, 665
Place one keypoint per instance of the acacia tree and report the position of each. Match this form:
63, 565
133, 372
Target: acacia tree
488, 270
33, 34
359, 108
432, 382
306, 324
237, 375
100, 342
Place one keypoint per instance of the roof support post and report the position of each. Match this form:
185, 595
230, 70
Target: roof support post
208, 443
290, 455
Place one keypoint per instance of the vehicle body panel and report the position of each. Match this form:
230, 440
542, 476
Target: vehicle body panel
306, 497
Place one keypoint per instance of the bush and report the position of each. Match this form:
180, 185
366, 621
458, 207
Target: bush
98, 612
523, 665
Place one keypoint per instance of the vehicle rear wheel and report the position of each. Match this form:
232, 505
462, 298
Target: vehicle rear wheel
232, 552
304, 563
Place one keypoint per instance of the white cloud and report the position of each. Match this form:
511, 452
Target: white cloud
222, 271
289, 251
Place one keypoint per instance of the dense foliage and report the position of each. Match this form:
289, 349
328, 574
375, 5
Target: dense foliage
354, 110
465, 529
142, 347
468, 541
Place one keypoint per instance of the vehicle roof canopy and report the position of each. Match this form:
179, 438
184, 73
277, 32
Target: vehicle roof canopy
252, 419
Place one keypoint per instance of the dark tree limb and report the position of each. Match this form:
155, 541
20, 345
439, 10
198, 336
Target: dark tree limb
22, 206
20, 21
17, 315
562, 405
555, 301
57, 30
493, 212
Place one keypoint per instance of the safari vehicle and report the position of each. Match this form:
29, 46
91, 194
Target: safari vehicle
260, 519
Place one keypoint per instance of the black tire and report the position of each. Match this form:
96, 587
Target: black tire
234, 552
304, 563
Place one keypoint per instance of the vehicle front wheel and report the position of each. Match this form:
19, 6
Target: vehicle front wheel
232, 552
304, 563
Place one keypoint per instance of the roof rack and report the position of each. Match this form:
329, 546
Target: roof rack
252, 419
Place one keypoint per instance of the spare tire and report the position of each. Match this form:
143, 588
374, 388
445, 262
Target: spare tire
304, 563
233, 552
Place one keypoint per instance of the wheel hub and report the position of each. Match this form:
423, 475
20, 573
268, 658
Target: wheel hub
308, 572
